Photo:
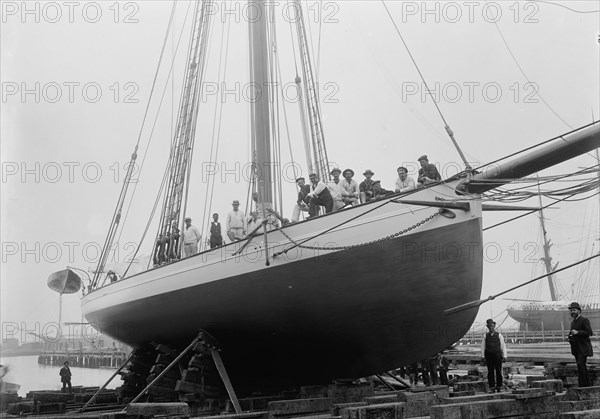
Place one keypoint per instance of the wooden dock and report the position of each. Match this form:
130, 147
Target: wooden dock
534, 353
107, 358
541, 382
527, 336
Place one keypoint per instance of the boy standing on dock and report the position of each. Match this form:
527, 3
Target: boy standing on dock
581, 346
65, 377
493, 350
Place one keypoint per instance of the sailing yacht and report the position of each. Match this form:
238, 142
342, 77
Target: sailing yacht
342, 295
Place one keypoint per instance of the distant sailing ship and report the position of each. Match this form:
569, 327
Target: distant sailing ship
538, 315
331, 297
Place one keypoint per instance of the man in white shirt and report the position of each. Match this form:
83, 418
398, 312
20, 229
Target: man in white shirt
236, 222
191, 238
493, 351
350, 186
254, 222
404, 183
319, 196
336, 190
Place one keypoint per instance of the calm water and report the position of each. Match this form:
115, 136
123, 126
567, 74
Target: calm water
24, 370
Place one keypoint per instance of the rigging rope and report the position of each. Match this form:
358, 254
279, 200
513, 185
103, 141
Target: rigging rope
106, 250
446, 126
518, 194
216, 131
203, 54
320, 17
566, 7
167, 168
521, 216
274, 97
151, 136
527, 78
292, 39
355, 246
339, 225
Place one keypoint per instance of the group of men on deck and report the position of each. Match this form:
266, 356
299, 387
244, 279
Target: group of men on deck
333, 196
237, 227
338, 193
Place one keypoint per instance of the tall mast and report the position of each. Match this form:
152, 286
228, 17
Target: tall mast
547, 259
261, 105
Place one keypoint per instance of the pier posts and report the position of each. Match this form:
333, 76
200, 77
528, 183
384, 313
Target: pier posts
90, 401
84, 358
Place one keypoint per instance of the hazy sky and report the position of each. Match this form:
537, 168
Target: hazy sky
76, 78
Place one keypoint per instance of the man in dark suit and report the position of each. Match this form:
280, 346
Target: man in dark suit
65, 377
581, 347
493, 351
428, 172
216, 239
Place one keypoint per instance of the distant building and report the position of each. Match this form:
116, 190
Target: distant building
9, 344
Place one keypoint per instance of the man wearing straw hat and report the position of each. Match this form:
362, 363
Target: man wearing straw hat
351, 189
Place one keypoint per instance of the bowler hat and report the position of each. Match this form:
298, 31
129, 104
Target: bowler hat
348, 170
489, 322
368, 172
574, 305
423, 157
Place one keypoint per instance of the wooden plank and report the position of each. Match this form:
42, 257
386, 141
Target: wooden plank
223, 373
154, 409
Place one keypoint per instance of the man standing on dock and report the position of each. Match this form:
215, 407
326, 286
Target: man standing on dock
65, 377
581, 346
493, 350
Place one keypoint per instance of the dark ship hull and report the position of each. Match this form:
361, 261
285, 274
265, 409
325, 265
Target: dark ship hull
316, 316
